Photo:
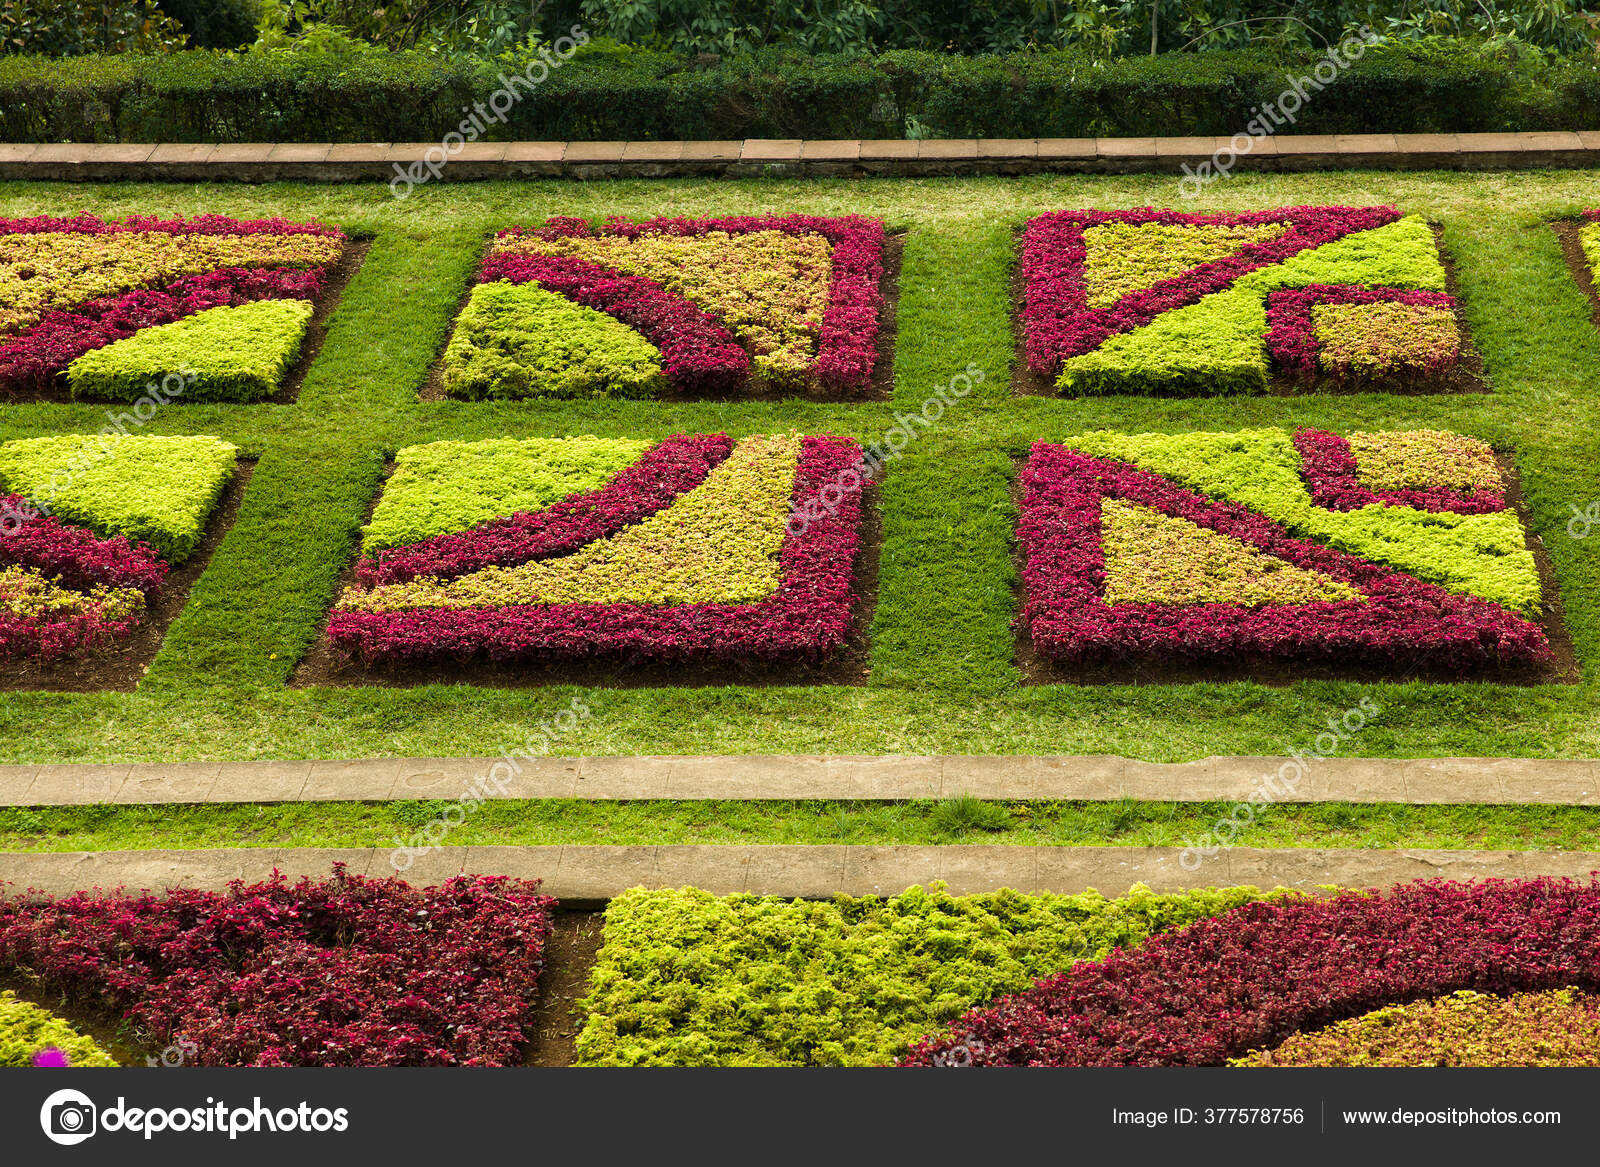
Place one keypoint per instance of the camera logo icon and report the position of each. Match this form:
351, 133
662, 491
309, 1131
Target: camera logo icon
68, 1117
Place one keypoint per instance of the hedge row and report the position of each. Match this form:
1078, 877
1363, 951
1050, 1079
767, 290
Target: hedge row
205, 97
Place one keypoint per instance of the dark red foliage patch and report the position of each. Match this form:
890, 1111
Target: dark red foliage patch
344, 971
1253, 977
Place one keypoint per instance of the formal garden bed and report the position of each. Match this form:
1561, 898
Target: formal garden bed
142, 309
696, 558
1275, 554
743, 307
101, 538
1162, 302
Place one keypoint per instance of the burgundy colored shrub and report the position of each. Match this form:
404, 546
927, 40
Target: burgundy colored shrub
1253, 977
344, 971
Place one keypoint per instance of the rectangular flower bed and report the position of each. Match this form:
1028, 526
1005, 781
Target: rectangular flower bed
202, 309
1389, 551
784, 303
1164, 302
698, 549
91, 529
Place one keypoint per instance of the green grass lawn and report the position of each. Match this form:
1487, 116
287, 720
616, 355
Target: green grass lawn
942, 672
519, 823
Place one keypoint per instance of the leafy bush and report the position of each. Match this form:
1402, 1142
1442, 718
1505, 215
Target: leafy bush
689, 978
230, 353
26, 1030
155, 490
519, 340
63, 28
1253, 978
344, 971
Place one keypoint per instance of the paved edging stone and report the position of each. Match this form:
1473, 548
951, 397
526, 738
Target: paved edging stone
586, 874
790, 157
1459, 781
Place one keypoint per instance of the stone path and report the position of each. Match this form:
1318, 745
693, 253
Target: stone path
587, 874
1561, 782
376, 161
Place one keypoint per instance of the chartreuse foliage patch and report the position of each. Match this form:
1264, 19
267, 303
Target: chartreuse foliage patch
155, 490
1266, 544
27, 1031
518, 340
686, 978
88, 528
223, 354
1172, 303
442, 487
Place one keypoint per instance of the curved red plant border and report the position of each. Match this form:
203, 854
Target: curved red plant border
1404, 622
1293, 342
1057, 320
1255, 976
847, 345
666, 470
36, 356
74, 556
1329, 470
808, 617
697, 353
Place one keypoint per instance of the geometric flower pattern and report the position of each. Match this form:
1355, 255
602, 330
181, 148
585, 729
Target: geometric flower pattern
692, 551
1122, 562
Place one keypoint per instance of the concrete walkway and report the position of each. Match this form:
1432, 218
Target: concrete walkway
1494, 781
587, 874
377, 161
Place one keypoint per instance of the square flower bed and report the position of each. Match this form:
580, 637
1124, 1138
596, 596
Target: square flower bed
1164, 302
202, 309
1389, 551
699, 548
91, 527
787, 303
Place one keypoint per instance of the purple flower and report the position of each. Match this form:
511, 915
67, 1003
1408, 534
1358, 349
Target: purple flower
51, 1058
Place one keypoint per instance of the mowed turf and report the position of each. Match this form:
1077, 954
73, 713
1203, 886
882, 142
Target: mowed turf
943, 675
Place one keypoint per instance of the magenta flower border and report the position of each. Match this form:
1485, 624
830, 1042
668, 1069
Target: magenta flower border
1328, 468
847, 344
1292, 341
87, 224
1254, 977
806, 620
1403, 623
1056, 318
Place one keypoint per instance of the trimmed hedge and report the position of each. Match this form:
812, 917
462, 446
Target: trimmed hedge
398, 97
687, 978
